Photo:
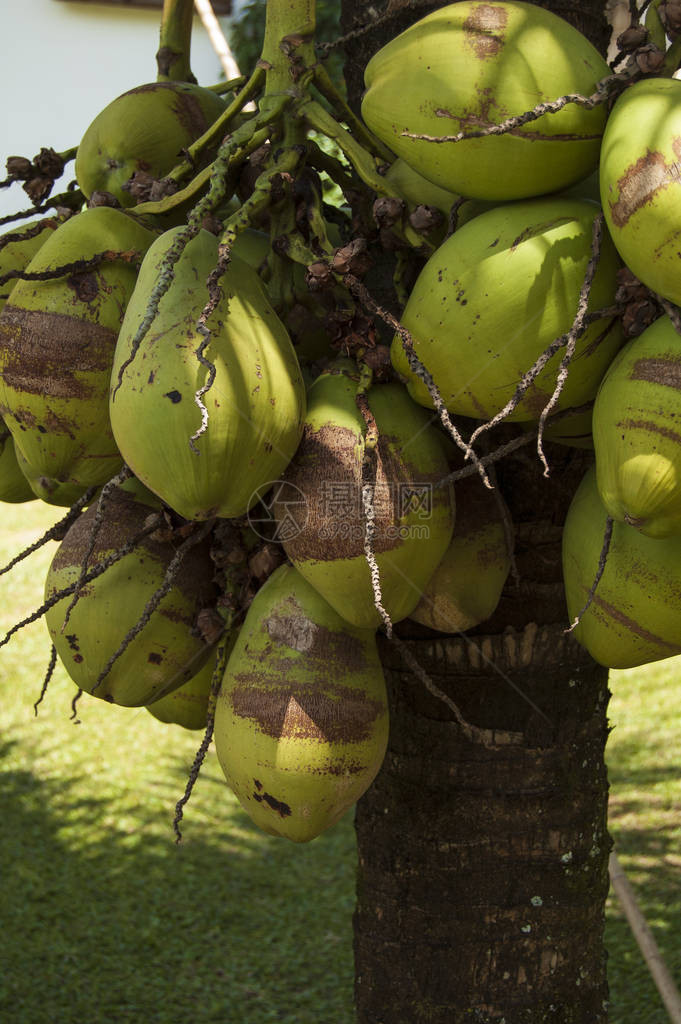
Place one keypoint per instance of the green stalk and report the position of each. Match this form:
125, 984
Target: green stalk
291, 23
219, 126
175, 42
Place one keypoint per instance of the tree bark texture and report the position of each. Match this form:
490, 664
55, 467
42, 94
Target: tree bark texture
483, 865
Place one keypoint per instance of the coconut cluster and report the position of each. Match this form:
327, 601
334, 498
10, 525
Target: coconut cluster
176, 392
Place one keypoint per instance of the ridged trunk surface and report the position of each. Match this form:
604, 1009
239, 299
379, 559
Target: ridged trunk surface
483, 865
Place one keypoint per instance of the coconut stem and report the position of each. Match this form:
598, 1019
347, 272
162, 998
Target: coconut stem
172, 58
288, 46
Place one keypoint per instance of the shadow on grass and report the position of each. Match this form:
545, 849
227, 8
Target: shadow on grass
230, 927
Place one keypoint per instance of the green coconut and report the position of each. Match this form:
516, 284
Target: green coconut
319, 509
57, 339
637, 432
640, 182
466, 586
471, 65
14, 487
496, 294
255, 405
418, 190
635, 615
169, 650
146, 129
187, 706
19, 246
301, 725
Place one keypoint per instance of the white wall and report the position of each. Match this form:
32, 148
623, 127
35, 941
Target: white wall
62, 61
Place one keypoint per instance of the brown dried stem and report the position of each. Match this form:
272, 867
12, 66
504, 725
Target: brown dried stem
75, 267
24, 236
171, 574
48, 675
74, 712
607, 537
220, 665
577, 329
124, 474
360, 292
55, 532
101, 567
604, 90
489, 738
72, 200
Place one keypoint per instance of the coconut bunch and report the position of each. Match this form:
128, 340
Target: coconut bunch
484, 316
198, 351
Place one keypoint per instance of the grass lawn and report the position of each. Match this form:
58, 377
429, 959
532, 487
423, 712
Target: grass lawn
104, 919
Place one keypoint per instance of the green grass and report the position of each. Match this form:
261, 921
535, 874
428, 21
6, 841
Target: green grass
103, 918
644, 764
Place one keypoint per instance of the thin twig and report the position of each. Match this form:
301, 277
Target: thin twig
215, 294
360, 292
24, 236
48, 676
531, 375
510, 446
369, 531
64, 199
485, 737
152, 604
124, 474
74, 712
101, 567
672, 311
55, 532
216, 682
507, 522
577, 329
383, 19
664, 982
607, 537
75, 267
603, 91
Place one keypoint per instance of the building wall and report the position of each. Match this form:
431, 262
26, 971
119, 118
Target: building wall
62, 61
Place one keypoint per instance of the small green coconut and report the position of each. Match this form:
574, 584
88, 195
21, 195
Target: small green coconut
635, 615
637, 432
169, 650
319, 509
57, 339
301, 725
471, 65
19, 246
144, 130
14, 487
465, 588
254, 407
187, 706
